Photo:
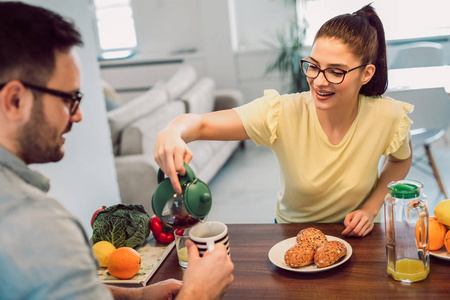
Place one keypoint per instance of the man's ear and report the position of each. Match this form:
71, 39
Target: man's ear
14, 102
368, 73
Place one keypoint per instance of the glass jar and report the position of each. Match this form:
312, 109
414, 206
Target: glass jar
406, 225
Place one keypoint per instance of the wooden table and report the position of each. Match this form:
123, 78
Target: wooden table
362, 276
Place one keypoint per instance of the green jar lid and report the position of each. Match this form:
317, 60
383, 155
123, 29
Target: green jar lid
405, 190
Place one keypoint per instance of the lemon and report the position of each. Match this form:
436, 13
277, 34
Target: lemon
102, 250
183, 254
442, 212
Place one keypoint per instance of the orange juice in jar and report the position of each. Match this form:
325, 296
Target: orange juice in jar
408, 269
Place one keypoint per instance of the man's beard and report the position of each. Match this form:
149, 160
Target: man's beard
38, 141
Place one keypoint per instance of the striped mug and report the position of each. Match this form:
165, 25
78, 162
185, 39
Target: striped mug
206, 235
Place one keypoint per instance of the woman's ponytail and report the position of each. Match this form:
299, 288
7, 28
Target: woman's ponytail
378, 84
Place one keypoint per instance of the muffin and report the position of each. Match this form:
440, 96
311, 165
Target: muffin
299, 255
311, 235
329, 253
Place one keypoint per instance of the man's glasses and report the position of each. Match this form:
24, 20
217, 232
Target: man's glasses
332, 75
74, 98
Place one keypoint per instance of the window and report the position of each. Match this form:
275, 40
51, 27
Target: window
402, 19
115, 28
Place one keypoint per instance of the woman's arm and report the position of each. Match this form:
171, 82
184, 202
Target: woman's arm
171, 150
360, 221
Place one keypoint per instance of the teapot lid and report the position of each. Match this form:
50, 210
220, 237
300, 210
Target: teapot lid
197, 199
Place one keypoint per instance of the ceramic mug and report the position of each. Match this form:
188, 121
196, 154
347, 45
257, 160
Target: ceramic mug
206, 235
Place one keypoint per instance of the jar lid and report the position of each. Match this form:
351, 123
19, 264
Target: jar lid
404, 190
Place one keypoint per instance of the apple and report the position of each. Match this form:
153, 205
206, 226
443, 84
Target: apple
95, 215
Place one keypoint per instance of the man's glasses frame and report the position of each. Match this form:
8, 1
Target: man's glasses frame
74, 98
344, 72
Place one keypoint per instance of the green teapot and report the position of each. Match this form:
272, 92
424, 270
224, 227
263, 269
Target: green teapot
181, 210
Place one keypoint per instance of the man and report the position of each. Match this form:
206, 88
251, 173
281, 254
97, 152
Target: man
45, 253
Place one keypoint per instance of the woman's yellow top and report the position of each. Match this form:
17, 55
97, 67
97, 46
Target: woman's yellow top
321, 182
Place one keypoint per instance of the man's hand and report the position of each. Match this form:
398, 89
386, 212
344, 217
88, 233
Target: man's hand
206, 277
163, 290
358, 223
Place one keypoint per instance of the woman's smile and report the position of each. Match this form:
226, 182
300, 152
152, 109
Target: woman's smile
323, 93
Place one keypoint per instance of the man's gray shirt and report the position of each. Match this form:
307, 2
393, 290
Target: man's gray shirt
44, 250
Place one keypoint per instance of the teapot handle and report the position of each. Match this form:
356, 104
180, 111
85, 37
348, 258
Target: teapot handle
189, 174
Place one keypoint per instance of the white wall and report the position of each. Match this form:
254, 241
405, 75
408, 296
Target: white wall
86, 178
165, 27
217, 45
259, 21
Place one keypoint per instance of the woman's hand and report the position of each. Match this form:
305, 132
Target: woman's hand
358, 223
171, 152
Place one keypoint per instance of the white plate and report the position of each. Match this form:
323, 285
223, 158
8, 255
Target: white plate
441, 253
276, 255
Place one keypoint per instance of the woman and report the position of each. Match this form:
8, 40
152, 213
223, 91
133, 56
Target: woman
328, 141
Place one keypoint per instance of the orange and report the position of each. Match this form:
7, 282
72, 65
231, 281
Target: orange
436, 233
124, 263
447, 241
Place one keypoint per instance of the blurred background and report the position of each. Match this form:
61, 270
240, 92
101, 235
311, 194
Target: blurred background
247, 45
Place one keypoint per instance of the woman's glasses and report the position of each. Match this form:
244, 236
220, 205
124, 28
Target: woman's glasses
332, 75
74, 98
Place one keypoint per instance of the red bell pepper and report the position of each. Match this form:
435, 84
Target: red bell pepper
161, 232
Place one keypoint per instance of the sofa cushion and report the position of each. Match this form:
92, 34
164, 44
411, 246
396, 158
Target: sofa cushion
131, 111
200, 98
203, 151
140, 136
182, 80
137, 178
228, 98
211, 166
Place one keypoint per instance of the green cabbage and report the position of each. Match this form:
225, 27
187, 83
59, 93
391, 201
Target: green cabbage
121, 225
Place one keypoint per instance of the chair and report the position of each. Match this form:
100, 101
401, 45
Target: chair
418, 54
431, 120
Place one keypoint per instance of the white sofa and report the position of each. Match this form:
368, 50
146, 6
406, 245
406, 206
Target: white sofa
135, 124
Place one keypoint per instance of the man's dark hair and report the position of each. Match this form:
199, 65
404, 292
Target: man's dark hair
29, 38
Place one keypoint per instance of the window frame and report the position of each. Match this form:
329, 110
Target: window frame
119, 52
